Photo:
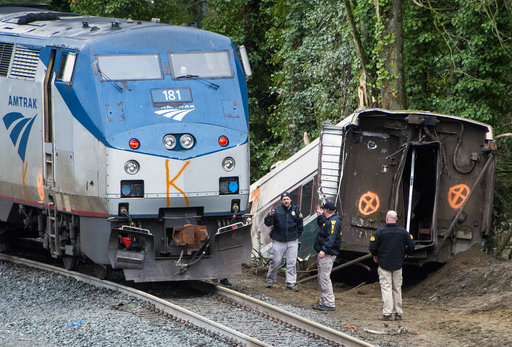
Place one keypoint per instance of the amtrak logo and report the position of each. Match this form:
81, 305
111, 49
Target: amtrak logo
19, 129
176, 113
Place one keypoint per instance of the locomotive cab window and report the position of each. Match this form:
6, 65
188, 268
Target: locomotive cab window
66, 67
129, 67
212, 64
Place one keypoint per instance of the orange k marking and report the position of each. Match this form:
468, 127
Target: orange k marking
24, 167
171, 182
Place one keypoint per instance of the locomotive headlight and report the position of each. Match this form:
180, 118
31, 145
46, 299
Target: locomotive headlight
131, 167
169, 141
228, 164
187, 141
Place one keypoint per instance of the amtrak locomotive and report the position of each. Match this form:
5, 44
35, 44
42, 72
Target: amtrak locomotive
124, 142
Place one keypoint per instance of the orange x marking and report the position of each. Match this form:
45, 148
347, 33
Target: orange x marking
369, 203
457, 195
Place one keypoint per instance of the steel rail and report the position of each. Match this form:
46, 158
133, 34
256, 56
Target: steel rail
160, 304
291, 318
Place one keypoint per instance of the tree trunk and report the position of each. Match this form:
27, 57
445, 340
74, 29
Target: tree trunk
392, 76
366, 80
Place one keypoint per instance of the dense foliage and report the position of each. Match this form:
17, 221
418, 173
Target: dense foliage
312, 76
460, 59
176, 12
246, 23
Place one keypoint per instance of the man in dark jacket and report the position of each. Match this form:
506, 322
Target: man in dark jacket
286, 223
328, 246
389, 246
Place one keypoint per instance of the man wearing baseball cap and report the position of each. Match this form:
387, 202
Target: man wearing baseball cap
286, 222
328, 246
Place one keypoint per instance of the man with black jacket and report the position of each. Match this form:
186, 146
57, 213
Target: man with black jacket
328, 246
286, 223
389, 246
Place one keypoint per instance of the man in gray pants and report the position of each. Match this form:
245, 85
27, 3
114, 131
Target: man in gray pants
328, 246
286, 223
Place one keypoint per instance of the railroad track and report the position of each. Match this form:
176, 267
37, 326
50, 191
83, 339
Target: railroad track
276, 321
263, 318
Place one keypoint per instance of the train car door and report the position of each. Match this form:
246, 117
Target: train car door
48, 145
57, 148
417, 191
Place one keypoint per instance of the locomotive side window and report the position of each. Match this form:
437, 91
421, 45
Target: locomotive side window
213, 64
5, 57
129, 67
66, 67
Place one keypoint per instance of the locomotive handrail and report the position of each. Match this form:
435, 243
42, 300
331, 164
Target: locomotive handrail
230, 227
133, 229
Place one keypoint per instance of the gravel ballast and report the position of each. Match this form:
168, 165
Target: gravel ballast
45, 309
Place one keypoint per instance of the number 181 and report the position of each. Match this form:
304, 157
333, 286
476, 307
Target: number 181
171, 94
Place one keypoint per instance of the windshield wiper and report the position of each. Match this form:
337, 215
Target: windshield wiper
184, 77
106, 78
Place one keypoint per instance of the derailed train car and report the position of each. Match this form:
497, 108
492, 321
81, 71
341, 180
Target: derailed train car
296, 175
124, 142
436, 171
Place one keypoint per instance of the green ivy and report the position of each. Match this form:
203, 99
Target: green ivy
457, 61
312, 70
168, 11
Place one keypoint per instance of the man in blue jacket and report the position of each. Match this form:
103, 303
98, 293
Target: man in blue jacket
328, 246
286, 223
389, 246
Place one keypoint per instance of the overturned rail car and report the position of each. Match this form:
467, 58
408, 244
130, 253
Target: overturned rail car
436, 171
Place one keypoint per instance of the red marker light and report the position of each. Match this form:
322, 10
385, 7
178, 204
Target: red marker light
126, 241
223, 141
134, 144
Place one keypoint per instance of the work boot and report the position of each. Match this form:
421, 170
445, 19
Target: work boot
387, 317
226, 282
398, 316
324, 308
269, 285
292, 287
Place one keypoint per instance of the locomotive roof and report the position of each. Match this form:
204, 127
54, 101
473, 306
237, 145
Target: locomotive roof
40, 23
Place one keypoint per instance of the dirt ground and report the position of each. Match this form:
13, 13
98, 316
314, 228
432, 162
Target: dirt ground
466, 302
